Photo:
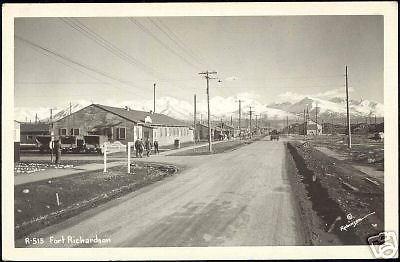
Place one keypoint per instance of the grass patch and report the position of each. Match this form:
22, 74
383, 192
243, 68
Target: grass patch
33, 166
36, 207
217, 148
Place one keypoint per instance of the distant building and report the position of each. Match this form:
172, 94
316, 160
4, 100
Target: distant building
123, 125
17, 140
310, 128
29, 132
364, 128
202, 132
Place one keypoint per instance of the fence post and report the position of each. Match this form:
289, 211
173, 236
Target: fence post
129, 156
105, 157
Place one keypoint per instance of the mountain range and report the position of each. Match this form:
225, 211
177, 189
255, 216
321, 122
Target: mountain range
226, 107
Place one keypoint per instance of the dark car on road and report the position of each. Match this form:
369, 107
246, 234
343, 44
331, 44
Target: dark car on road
274, 135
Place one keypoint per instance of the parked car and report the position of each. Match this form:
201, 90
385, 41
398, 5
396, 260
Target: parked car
93, 143
73, 144
43, 143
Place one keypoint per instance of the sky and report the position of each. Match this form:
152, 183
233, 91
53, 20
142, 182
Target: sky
59, 60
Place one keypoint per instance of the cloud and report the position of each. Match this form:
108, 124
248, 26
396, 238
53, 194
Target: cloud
232, 78
289, 97
295, 97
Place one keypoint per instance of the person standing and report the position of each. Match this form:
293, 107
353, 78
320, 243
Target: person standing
148, 147
141, 148
57, 151
156, 147
137, 144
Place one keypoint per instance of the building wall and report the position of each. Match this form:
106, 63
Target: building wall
91, 117
166, 135
202, 132
30, 137
17, 131
16, 141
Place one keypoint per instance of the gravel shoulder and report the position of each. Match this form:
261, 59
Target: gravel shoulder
344, 204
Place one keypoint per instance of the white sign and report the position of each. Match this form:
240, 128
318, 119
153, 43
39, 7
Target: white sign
113, 147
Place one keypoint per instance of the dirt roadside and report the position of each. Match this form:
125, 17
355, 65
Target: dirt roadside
46, 202
338, 203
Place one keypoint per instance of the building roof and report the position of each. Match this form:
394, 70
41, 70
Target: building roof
34, 127
139, 116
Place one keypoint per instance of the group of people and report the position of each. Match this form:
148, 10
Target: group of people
147, 146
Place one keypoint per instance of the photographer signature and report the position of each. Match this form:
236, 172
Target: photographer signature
355, 222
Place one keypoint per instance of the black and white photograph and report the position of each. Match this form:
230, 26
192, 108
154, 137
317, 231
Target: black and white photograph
146, 126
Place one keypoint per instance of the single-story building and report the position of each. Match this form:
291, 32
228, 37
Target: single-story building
123, 125
17, 140
310, 128
29, 132
202, 132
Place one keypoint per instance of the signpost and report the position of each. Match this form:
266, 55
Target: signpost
130, 144
105, 157
51, 145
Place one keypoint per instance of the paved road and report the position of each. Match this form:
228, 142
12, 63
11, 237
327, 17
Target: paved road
238, 198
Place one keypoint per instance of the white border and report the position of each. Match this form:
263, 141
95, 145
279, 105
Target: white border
388, 9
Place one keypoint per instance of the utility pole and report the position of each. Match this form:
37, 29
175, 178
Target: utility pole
208, 77
154, 97
240, 116
51, 118
305, 122
251, 112
201, 118
231, 121
348, 113
36, 119
316, 119
287, 124
194, 120
70, 129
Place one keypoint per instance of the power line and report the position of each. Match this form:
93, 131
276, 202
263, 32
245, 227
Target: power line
80, 27
144, 29
44, 52
176, 40
76, 63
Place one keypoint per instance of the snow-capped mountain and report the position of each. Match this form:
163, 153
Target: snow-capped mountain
333, 107
224, 107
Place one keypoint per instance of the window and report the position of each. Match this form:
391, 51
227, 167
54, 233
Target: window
137, 132
74, 131
121, 133
63, 131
